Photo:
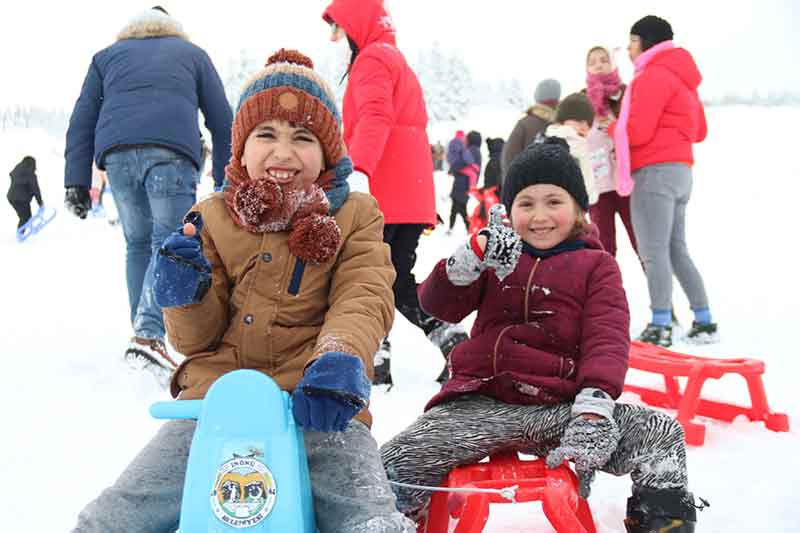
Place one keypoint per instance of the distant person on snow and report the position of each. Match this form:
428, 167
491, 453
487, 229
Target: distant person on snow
24, 188
493, 175
661, 117
534, 122
460, 162
547, 356
136, 118
286, 273
385, 125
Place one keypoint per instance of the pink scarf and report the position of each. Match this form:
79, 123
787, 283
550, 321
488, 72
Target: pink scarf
621, 146
600, 87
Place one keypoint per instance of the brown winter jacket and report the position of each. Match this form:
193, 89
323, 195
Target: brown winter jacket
248, 319
535, 120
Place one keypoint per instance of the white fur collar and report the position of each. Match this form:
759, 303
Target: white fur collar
151, 23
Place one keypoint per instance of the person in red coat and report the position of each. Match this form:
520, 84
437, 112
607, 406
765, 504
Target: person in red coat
661, 117
547, 356
385, 125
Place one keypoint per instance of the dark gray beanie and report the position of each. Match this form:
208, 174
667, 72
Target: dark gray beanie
548, 92
545, 163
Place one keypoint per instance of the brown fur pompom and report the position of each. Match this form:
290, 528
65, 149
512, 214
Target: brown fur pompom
315, 239
290, 56
256, 199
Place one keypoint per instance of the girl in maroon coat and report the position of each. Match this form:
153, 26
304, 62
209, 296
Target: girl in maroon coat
547, 355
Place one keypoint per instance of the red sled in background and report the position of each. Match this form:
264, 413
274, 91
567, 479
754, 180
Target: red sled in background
482, 200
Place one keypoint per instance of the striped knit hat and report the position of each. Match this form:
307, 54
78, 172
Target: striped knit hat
289, 89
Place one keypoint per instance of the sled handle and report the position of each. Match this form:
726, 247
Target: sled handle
177, 410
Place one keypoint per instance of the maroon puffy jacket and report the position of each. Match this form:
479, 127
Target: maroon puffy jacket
554, 326
384, 116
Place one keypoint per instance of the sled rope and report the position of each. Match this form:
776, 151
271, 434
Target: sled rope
509, 493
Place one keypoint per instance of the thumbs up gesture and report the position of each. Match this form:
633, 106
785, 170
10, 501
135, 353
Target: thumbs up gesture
502, 246
182, 273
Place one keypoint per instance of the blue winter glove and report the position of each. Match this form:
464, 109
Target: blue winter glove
182, 273
333, 390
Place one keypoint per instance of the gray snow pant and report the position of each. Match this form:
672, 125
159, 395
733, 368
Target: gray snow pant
350, 489
467, 429
658, 211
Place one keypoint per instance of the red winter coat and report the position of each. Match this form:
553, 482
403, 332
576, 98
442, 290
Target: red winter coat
554, 326
384, 116
666, 114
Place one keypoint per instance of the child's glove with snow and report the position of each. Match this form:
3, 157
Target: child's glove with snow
182, 273
501, 253
588, 441
333, 390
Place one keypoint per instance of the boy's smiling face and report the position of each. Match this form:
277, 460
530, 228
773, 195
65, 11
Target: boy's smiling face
287, 153
544, 215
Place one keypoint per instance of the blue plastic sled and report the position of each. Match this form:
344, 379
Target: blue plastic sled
39, 220
247, 467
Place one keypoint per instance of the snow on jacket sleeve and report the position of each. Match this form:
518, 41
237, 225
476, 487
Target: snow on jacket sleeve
452, 303
650, 94
360, 300
197, 328
372, 88
218, 116
605, 340
79, 150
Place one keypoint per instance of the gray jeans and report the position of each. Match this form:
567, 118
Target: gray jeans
658, 212
466, 430
350, 489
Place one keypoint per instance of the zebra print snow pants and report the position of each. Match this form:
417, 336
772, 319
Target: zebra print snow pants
468, 429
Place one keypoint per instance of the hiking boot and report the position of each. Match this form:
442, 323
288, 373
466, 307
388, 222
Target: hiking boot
658, 335
151, 355
382, 368
446, 336
703, 333
657, 511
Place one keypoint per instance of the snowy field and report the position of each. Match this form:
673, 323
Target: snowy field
74, 415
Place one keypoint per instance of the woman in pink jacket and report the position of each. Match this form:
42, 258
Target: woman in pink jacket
385, 125
661, 117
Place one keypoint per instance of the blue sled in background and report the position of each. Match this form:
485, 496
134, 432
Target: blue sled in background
39, 220
247, 466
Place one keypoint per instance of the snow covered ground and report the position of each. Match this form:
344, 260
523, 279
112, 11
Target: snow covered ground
74, 415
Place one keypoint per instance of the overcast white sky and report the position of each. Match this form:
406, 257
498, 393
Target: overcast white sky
740, 46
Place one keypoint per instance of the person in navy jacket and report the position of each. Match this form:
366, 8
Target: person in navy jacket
137, 119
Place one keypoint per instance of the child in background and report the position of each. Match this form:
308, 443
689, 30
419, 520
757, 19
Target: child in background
493, 175
24, 188
573, 120
547, 356
605, 90
459, 162
285, 273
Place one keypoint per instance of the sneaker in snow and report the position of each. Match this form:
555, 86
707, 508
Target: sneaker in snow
382, 365
703, 333
658, 335
446, 336
151, 355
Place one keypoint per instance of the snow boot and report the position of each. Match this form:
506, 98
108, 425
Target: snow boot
662, 511
151, 355
702, 333
658, 335
446, 336
382, 367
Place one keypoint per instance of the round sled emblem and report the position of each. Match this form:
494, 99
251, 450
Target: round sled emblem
244, 492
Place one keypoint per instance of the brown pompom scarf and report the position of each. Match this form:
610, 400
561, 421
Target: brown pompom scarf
262, 205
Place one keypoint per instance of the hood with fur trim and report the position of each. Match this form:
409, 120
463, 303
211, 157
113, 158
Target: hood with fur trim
152, 23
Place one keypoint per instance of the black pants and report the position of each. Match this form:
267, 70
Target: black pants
457, 208
23, 210
403, 240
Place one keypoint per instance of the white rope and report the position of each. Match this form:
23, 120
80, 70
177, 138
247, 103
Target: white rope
509, 493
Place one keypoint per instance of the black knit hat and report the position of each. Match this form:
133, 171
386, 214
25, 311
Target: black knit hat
576, 106
545, 163
652, 30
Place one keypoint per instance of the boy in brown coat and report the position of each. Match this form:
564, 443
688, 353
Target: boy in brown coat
285, 272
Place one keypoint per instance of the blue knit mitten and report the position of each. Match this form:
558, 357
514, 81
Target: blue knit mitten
182, 273
333, 390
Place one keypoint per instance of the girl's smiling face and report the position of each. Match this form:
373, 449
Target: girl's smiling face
287, 153
544, 215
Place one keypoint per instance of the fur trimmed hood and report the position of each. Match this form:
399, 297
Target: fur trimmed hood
152, 23
542, 111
